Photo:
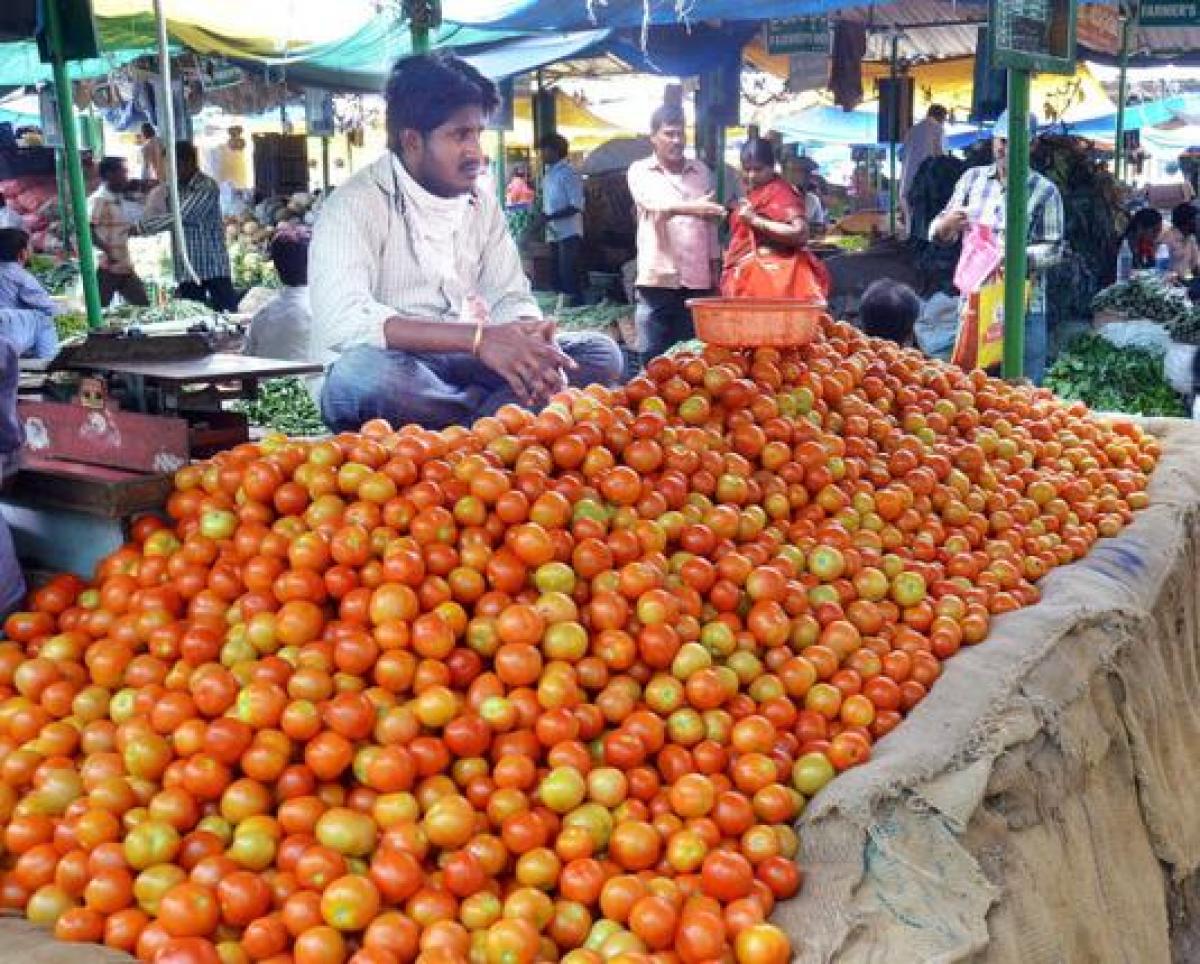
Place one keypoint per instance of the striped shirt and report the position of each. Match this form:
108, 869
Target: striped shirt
203, 228
982, 195
371, 260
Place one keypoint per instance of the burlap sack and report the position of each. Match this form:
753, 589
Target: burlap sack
1039, 806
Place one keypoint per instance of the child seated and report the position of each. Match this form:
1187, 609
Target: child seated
26, 309
12, 582
889, 309
282, 328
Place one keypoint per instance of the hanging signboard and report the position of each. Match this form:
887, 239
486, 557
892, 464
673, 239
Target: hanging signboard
1035, 35
798, 35
318, 113
1170, 13
48, 108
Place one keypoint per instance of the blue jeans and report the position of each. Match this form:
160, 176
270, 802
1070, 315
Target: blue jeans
564, 262
662, 319
436, 390
32, 332
1037, 334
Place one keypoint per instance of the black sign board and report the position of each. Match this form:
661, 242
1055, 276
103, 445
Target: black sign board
1034, 35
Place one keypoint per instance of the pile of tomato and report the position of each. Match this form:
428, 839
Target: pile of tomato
548, 687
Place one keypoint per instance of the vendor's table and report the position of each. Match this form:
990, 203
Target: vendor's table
1042, 806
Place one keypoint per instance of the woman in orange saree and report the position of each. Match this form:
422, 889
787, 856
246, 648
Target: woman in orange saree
768, 254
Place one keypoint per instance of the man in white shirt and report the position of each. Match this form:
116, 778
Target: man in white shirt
924, 140
562, 207
417, 291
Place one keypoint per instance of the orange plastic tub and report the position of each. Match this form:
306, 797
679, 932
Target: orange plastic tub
757, 322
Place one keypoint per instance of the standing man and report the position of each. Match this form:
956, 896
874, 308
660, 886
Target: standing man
110, 231
562, 208
417, 292
153, 162
678, 253
203, 233
980, 198
924, 140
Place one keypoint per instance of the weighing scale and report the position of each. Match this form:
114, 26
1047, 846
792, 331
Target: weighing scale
109, 421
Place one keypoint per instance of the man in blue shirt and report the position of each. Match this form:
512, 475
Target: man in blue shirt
26, 309
562, 207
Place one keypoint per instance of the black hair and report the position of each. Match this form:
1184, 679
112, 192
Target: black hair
289, 253
186, 150
1146, 219
1183, 217
889, 309
938, 111
110, 165
148, 130
758, 150
12, 242
423, 91
556, 141
670, 114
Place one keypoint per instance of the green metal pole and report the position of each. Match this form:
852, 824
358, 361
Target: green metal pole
893, 131
66, 120
719, 152
1122, 82
501, 175
420, 37
1016, 224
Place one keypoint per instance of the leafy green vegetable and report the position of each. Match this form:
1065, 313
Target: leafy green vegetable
1147, 296
592, 317
70, 323
283, 405
1111, 379
178, 310
251, 267
57, 277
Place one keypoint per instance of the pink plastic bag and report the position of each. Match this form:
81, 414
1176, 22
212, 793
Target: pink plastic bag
981, 256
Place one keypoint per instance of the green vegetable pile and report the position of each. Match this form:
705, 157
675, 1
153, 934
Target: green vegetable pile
1111, 379
521, 224
598, 317
57, 277
179, 310
251, 267
1147, 296
283, 405
70, 323
850, 243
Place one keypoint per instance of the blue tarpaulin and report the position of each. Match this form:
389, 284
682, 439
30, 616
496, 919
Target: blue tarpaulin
1150, 114
679, 51
581, 14
531, 15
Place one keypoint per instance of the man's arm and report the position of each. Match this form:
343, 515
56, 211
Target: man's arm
571, 202
501, 280
343, 265
641, 186
948, 226
31, 295
191, 201
1047, 231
